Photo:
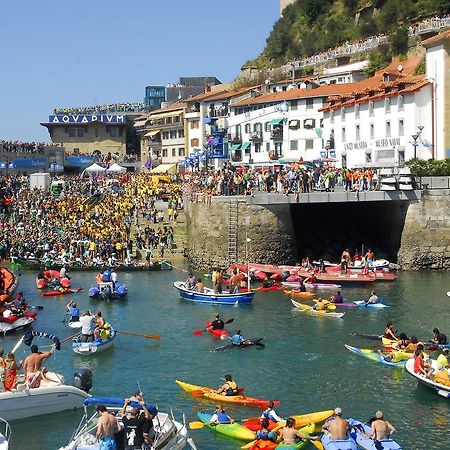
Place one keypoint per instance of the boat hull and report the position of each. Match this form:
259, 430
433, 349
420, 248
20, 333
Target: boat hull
242, 298
90, 348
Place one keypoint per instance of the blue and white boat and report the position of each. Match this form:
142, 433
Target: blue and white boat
368, 443
108, 291
209, 296
363, 303
89, 348
344, 444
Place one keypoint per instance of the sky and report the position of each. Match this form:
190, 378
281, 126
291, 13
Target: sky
57, 53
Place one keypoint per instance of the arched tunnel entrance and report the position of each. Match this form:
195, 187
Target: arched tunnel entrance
325, 230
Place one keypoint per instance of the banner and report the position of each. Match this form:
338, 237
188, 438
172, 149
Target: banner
84, 160
83, 118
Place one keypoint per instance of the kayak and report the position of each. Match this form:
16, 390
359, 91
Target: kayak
299, 294
373, 355
254, 423
216, 333
247, 343
370, 305
370, 444
233, 430
344, 444
303, 443
61, 292
270, 288
320, 313
343, 304
373, 337
209, 393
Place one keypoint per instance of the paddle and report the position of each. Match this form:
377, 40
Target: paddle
199, 332
197, 425
147, 336
38, 307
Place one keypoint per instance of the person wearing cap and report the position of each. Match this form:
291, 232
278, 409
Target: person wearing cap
217, 323
220, 416
439, 338
337, 426
229, 388
381, 429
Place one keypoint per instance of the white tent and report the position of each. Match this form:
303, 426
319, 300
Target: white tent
116, 168
94, 168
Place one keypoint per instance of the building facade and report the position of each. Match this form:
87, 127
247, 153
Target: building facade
154, 97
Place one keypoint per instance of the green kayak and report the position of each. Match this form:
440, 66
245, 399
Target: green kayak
233, 430
302, 444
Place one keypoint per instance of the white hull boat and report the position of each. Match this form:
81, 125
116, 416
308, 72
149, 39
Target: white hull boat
442, 389
50, 397
169, 434
19, 324
89, 348
5, 435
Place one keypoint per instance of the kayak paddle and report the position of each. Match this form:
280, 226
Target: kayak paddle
199, 332
197, 425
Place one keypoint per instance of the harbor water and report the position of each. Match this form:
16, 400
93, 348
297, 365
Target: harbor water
304, 364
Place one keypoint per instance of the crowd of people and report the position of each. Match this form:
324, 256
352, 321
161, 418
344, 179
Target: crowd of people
103, 109
25, 147
92, 222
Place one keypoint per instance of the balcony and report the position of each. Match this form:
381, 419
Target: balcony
256, 137
234, 137
276, 134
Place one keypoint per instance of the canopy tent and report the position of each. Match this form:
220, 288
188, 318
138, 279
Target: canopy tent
116, 168
94, 168
164, 168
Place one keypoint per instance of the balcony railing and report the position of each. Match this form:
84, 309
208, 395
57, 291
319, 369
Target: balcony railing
234, 137
276, 135
256, 137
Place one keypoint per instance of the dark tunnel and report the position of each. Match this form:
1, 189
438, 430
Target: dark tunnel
325, 230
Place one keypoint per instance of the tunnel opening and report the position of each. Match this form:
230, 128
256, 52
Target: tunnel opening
324, 231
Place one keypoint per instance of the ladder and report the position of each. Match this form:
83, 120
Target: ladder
233, 231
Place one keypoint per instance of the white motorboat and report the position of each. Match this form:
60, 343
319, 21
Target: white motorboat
19, 324
50, 397
441, 389
5, 435
169, 434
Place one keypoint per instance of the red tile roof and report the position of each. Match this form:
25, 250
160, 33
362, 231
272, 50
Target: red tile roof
435, 40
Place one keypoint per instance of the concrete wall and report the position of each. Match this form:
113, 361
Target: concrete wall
270, 230
425, 240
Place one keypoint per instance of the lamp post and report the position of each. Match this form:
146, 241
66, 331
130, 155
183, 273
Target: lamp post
415, 138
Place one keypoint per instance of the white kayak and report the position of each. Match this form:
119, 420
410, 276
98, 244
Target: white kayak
75, 324
370, 305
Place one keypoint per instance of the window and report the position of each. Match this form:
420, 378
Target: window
176, 119
174, 152
164, 152
173, 134
267, 126
238, 130
180, 133
71, 132
113, 132
294, 105
168, 119
387, 105
343, 135
257, 147
332, 116
165, 135
248, 128
267, 146
357, 133
194, 124
309, 144
181, 151
368, 157
388, 129
401, 102
357, 108
309, 103
372, 131
195, 142
96, 132
309, 123
294, 145
257, 127
342, 113
80, 132
344, 161
401, 157
401, 128
371, 107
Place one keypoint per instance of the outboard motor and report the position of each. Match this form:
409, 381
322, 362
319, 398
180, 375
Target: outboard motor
82, 379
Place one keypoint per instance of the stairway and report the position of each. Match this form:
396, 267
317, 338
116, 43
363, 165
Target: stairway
233, 231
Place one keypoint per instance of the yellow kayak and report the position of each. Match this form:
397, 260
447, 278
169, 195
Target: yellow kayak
320, 312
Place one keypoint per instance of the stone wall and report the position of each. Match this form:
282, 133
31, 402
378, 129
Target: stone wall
270, 230
425, 240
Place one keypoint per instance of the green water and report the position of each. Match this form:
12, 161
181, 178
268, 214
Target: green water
304, 364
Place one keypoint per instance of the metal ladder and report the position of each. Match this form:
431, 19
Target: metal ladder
233, 231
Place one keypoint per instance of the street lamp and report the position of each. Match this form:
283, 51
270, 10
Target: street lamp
415, 138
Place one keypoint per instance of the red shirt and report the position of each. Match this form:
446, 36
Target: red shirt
418, 364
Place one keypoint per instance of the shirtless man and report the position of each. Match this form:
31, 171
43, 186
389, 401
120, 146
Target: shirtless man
235, 282
33, 364
106, 428
337, 427
199, 287
381, 429
292, 436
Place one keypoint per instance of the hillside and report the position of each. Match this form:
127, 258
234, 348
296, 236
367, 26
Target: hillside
311, 26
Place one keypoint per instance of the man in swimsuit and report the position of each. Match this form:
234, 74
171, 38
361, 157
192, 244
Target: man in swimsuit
107, 426
337, 426
381, 429
33, 364
235, 282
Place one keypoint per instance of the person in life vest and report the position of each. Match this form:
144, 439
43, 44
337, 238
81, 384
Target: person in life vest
229, 388
270, 414
74, 312
237, 339
264, 433
106, 276
220, 416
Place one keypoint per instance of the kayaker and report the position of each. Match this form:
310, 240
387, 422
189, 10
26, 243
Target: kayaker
237, 339
320, 305
199, 286
373, 299
412, 345
439, 338
229, 388
442, 359
220, 416
74, 312
217, 323
190, 282
270, 414
389, 332
337, 426
421, 367
107, 426
381, 429
264, 433
301, 285
292, 436
338, 298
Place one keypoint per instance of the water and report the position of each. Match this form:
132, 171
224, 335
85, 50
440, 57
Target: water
304, 364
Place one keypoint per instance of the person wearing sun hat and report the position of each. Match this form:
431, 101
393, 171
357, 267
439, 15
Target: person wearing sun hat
381, 429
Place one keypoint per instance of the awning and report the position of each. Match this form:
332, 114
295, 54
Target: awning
140, 123
288, 160
246, 145
235, 147
164, 168
170, 113
308, 122
152, 133
276, 121
293, 123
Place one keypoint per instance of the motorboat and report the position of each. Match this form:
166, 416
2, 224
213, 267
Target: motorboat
52, 396
50, 278
5, 434
169, 433
441, 388
89, 348
13, 323
108, 290
209, 296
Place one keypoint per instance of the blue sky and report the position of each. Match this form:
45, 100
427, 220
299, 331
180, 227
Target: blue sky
79, 53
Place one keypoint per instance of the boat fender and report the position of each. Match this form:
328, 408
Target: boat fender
82, 379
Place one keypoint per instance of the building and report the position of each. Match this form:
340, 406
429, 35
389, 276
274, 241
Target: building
154, 97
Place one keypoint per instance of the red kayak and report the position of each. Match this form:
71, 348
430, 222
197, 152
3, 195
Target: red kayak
216, 333
64, 291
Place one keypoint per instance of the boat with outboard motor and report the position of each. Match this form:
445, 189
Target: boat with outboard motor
169, 433
107, 288
96, 346
209, 296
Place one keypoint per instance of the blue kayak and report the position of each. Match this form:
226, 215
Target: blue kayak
370, 444
345, 444
371, 305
